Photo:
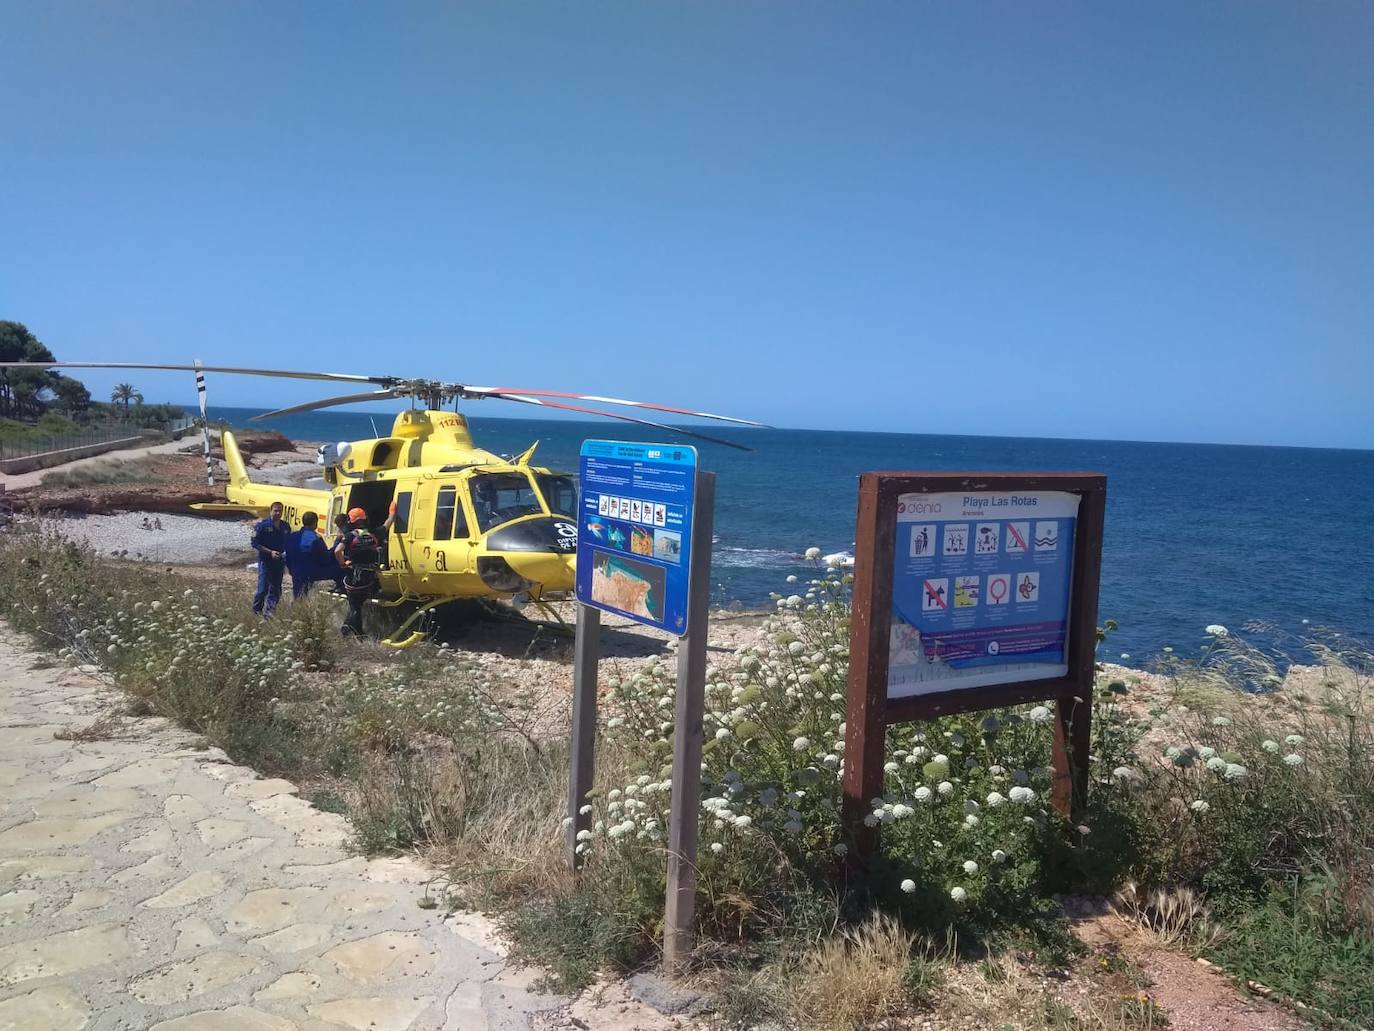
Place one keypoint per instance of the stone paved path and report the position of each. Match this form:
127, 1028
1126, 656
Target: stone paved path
145, 883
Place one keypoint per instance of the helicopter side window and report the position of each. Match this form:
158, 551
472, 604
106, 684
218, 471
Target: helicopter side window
500, 497
402, 523
445, 511
561, 494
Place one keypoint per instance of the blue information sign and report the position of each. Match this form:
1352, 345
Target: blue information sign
635, 530
980, 589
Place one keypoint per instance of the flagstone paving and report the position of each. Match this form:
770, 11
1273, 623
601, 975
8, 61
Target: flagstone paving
146, 882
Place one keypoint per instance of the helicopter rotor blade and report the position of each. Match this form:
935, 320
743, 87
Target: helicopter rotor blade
329, 402
495, 391
339, 377
524, 399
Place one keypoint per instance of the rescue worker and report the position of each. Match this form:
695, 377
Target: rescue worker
307, 556
269, 541
360, 554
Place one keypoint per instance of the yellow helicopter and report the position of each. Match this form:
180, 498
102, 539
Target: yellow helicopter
468, 523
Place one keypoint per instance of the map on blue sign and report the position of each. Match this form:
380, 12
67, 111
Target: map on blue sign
980, 589
635, 530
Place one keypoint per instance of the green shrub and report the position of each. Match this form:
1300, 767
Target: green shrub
1301, 941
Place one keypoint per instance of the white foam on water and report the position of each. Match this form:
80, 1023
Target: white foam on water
754, 558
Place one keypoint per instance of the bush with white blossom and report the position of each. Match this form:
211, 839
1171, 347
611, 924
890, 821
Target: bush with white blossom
965, 817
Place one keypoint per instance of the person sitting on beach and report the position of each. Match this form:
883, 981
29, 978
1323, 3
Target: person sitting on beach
269, 541
307, 557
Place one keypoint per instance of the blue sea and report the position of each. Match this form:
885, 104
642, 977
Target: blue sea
1195, 533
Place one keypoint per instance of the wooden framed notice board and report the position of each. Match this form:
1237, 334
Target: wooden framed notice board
972, 591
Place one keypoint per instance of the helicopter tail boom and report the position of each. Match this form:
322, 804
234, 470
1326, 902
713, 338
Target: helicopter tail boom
233, 458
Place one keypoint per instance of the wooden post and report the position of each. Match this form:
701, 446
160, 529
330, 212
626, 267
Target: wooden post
869, 642
689, 709
1074, 705
586, 652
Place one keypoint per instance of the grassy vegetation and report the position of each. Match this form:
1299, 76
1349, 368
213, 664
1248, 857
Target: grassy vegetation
1238, 819
148, 469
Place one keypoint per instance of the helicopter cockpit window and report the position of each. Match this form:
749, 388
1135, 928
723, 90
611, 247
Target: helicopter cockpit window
561, 494
500, 497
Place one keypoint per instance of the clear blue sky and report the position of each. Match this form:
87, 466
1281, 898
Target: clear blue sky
1125, 220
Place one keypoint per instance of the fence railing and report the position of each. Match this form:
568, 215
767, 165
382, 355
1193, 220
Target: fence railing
64, 441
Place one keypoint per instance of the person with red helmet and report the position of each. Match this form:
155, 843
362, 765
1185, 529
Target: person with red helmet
359, 552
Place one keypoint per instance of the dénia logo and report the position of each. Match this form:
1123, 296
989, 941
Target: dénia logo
919, 507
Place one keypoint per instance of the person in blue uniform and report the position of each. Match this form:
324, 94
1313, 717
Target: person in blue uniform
269, 541
307, 556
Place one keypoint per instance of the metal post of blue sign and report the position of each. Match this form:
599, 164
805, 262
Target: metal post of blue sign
581, 768
689, 711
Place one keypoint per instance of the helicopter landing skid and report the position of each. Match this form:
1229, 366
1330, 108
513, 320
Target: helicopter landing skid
395, 640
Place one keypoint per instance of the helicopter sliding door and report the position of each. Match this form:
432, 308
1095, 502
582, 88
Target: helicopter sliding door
440, 533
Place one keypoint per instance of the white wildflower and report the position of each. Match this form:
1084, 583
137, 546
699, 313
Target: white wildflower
1293, 759
958, 894
1200, 806
1217, 630
909, 886
1039, 714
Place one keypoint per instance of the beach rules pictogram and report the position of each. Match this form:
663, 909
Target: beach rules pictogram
936, 595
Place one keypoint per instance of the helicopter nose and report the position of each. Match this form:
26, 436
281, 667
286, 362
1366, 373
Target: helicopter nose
553, 570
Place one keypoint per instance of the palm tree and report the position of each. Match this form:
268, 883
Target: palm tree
125, 393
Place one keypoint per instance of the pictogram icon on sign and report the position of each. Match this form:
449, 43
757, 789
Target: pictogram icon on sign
1017, 535
935, 595
966, 591
1046, 536
999, 588
986, 540
956, 539
1027, 587
923, 541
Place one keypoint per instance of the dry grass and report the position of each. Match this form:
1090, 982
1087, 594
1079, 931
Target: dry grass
108, 727
1172, 916
149, 469
856, 979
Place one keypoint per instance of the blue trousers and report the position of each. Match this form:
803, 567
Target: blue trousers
270, 572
